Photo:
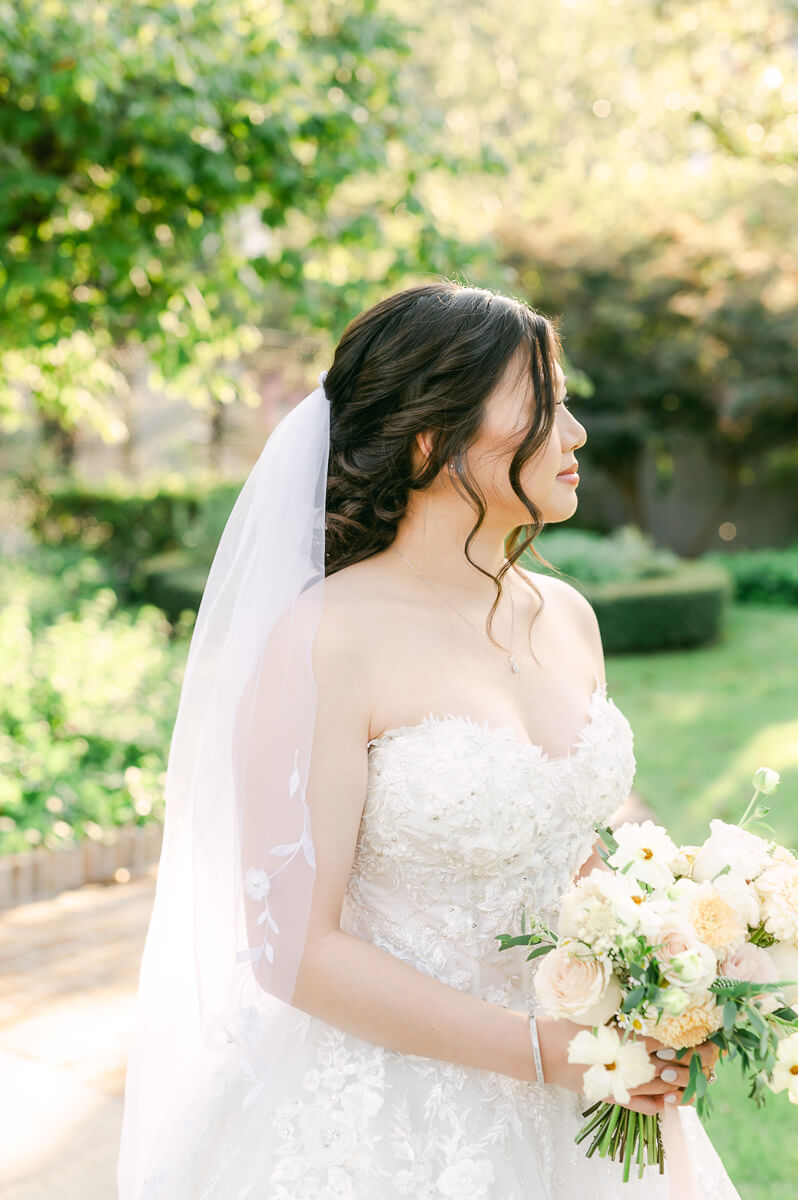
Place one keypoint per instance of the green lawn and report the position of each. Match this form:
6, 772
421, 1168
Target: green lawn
703, 721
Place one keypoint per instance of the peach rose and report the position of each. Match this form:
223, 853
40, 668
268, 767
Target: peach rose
751, 963
583, 989
677, 940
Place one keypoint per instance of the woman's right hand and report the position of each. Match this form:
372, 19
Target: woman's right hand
554, 1036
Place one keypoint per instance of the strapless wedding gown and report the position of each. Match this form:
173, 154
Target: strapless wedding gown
464, 823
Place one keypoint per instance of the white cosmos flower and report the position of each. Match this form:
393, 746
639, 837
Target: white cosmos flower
613, 1066
648, 848
785, 1072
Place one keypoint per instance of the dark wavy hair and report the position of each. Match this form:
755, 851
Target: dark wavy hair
427, 359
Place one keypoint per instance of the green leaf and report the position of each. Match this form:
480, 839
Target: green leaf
729, 1016
540, 950
633, 999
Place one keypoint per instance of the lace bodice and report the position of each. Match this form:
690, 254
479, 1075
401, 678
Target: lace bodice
464, 824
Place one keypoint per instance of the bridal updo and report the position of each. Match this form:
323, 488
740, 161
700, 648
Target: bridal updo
426, 359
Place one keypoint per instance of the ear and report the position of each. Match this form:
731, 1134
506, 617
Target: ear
424, 443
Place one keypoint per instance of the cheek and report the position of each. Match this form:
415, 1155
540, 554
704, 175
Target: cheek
546, 462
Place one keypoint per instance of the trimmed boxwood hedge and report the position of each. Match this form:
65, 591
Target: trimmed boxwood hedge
684, 608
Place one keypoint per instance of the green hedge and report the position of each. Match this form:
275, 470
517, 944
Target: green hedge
127, 525
685, 608
762, 576
645, 597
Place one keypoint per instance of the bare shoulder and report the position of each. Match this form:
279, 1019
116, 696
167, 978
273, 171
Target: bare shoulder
343, 647
575, 608
564, 593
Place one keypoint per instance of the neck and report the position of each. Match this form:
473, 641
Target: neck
437, 551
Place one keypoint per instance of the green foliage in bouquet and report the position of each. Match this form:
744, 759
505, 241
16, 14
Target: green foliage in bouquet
640, 988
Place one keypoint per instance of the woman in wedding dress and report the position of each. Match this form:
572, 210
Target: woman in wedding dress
464, 744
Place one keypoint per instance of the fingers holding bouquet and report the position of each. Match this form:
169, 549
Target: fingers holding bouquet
668, 956
672, 1074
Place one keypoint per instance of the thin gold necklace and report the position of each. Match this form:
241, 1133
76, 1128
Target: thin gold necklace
513, 664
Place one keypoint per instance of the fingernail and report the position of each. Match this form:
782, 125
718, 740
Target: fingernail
670, 1098
666, 1053
670, 1076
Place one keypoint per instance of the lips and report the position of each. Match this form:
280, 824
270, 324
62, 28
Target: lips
572, 470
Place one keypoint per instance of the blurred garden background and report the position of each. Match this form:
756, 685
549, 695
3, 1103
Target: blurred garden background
195, 198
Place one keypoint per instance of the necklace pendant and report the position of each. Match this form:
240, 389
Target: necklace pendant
513, 663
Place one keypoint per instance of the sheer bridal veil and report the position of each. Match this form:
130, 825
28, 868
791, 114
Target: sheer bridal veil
235, 877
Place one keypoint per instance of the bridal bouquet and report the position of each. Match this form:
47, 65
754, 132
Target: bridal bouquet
684, 944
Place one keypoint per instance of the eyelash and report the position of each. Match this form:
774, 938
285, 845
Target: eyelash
566, 400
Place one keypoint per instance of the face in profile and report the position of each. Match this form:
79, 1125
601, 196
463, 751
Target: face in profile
509, 411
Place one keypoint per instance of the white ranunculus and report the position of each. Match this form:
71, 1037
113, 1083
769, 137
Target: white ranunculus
785, 959
647, 848
614, 1067
729, 845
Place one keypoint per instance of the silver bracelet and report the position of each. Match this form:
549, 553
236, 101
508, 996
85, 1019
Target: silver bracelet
533, 1035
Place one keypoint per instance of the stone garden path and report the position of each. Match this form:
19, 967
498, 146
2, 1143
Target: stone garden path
68, 978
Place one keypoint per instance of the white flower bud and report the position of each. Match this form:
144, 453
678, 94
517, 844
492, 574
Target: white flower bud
675, 1001
766, 780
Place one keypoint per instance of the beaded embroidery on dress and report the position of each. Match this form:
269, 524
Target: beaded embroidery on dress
463, 824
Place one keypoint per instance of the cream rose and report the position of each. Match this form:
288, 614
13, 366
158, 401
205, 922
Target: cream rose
583, 989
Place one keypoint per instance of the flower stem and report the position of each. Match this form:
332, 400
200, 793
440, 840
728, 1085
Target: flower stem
751, 802
627, 1158
600, 1116
613, 1121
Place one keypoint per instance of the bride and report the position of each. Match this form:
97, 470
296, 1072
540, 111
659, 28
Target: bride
444, 719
